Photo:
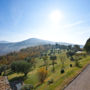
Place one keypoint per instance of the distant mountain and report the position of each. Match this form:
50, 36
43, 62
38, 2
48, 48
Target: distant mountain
4, 42
10, 47
7, 47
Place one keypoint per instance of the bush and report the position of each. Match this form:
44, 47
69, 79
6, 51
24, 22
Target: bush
77, 64
53, 58
3, 69
70, 65
27, 87
62, 71
71, 58
50, 81
42, 73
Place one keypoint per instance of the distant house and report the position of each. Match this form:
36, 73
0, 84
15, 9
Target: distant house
4, 84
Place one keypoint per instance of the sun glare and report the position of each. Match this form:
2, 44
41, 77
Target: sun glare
56, 16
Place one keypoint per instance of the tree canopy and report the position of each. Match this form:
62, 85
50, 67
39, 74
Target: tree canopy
87, 46
21, 67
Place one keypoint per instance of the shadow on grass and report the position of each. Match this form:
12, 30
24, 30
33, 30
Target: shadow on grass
20, 78
37, 85
10, 72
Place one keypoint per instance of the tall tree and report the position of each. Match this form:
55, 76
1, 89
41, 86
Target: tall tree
76, 48
45, 58
62, 58
53, 58
87, 46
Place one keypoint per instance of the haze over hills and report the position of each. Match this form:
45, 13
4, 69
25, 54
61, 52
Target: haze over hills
4, 42
7, 47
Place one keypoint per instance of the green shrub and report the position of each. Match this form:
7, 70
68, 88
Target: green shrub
70, 65
21, 67
42, 73
62, 71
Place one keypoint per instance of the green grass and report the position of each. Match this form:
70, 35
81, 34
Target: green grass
60, 80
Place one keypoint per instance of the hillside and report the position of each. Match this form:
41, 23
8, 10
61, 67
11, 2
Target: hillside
4, 42
11, 47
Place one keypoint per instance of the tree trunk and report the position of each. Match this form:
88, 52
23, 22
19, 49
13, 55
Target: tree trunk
53, 65
25, 74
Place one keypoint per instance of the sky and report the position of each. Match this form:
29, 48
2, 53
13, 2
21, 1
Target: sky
53, 20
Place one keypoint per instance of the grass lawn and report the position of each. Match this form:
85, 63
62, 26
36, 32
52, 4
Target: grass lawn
60, 80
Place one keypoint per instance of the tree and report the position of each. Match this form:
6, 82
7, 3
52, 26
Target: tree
69, 47
57, 45
42, 73
21, 67
53, 58
76, 48
70, 55
62, 58
87, 46
45, 60
77, 62
3, 69
31, 60
28, 59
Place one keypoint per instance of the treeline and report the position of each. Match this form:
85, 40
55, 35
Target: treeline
34, 52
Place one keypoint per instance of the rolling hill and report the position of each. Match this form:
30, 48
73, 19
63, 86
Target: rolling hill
7, 47
10, 47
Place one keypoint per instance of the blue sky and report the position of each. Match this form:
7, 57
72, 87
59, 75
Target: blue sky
54, 20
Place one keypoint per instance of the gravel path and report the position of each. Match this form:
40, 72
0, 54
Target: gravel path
82, 82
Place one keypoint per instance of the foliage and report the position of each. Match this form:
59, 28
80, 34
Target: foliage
42, 74
71, 58
24, 54
76, 48
69, 47
77, 62
53, 58
21, 67
70, 65
31, 52
70, 54
87, 46
45, 58
28, 59
59, 79
63, 58
62, 71
3, 69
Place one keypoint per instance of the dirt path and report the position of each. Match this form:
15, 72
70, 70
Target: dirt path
82, 82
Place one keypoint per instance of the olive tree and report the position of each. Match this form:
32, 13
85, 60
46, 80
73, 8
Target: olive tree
62, 59
21, 67
53, 58
45, 58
